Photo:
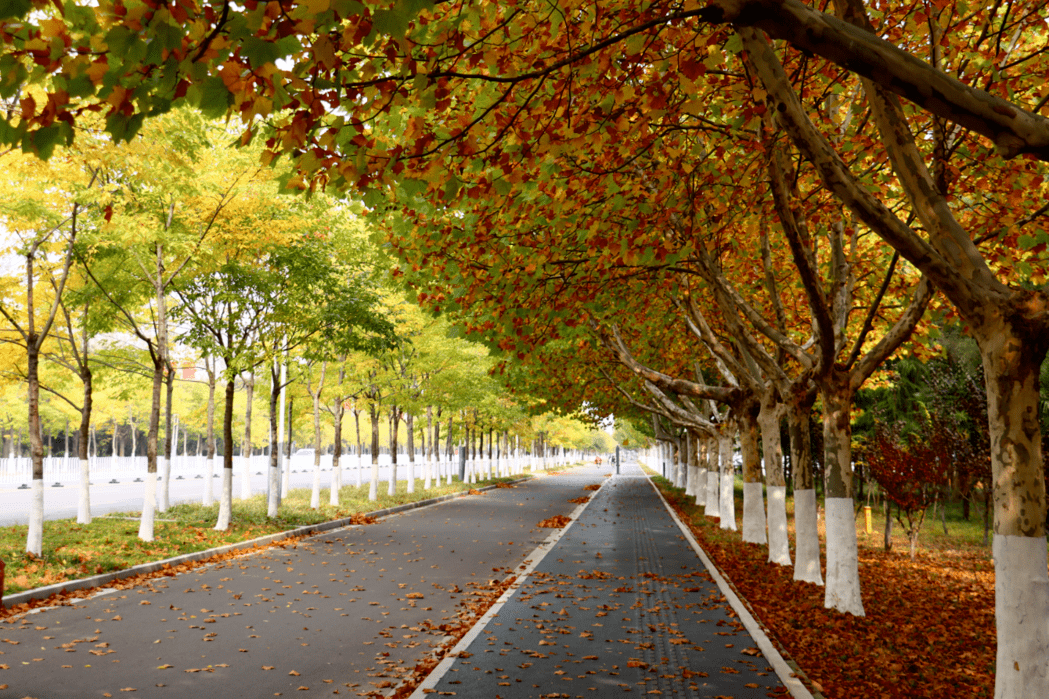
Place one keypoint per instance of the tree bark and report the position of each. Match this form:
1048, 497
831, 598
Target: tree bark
753, 495
806, 521
843, 579
409, 422
373, 487
273, 492
226, 500
245, 452
395, 419
772, 449
209, 490
145, 529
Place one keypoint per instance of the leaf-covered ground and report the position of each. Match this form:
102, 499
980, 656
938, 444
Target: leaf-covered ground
929, 625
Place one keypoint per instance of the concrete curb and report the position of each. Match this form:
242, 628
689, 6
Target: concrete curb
103, 579
788, 671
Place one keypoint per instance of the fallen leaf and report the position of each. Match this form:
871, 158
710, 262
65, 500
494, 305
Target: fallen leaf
293, 673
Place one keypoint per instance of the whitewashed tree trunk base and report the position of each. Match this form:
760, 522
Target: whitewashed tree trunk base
411, 476
83, 511
1021, 611
164, 496
391, 487
843, 579
360, 470
727, 501
35, 537
336, 484
209, 488
274, 491
428, 481
701, 487
315, 492
226, 501
373, 485
712, 509
807, 538
753, 513
149, 503
779, 545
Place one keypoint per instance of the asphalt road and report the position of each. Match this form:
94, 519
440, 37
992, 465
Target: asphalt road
348, 612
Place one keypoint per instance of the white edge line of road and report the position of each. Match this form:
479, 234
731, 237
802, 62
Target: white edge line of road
786, 675
526, 568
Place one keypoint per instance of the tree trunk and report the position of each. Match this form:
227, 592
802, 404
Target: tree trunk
315, 494
753, 493
449, 446
430, 441
35, 537
712, 507
373, 487
336, 459
391, 488
245, 452
843, 578
727, 497
145, 528
360, 448
226, 500
887, 542
772, 450
806, 520
209, 490
409, 422
83, 442
1012, 356
273, 492
165, 478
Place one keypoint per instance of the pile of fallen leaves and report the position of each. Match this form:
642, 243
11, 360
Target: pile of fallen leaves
594, 486
555, 522
928, 631
579, 501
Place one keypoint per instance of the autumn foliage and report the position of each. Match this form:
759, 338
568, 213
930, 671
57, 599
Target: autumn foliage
912, 472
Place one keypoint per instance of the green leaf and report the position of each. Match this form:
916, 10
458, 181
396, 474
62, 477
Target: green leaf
734, 44
215, 99
259, 52
43, 141
14, 8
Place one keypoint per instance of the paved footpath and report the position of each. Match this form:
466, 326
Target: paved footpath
620, 602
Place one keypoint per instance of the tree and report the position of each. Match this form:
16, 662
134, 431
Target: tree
43, 228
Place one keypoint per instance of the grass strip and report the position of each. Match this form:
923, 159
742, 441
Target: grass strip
73, 551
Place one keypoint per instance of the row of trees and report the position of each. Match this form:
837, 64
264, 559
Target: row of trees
140, 260
601, 189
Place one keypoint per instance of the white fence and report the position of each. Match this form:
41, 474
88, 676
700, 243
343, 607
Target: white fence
104, 469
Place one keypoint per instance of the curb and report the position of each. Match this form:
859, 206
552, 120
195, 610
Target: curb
41, 593
786, 669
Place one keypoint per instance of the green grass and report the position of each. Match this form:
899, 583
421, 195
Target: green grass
72, 551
